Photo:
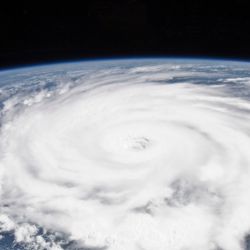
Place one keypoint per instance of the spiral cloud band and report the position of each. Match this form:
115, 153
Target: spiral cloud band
126, 155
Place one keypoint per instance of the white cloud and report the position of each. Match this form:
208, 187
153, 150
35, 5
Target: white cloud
114, 161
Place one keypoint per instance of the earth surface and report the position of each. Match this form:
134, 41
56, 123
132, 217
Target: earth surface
135, 154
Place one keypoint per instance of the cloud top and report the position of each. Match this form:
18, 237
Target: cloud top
139, 157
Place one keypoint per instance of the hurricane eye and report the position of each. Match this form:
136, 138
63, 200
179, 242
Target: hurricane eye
137, 143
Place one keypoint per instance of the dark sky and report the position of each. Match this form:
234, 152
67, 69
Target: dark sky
104, 28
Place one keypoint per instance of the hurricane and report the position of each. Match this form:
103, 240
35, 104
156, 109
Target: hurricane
126, 155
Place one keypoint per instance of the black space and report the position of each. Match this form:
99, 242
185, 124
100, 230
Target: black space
36, 33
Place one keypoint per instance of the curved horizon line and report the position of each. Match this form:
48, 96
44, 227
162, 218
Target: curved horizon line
123, 58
